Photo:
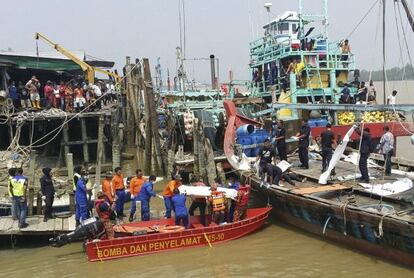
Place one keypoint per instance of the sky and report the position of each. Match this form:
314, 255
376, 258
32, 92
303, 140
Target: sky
114, 29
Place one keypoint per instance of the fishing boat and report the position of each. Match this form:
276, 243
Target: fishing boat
364, 217
142, 238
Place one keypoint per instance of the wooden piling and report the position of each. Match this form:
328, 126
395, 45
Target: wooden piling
99, 153
69, 165
66, 142
84, 139
211, 167
30, 195
196, 165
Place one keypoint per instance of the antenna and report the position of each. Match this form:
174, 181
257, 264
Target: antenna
267, 6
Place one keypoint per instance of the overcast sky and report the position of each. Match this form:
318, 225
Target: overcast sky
148, 28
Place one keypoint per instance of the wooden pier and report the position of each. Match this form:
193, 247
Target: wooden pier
8, 226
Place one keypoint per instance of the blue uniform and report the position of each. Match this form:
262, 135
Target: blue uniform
82, 211
235, 186
181, 213
144, 196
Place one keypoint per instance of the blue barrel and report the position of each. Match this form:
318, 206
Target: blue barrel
322, 122
245, 130
258, 137
245, 140
313, 122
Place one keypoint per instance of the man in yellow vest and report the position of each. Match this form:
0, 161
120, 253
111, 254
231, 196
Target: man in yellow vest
218, 203
18, 188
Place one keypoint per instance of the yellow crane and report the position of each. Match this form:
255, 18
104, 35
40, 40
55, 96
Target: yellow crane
88, 69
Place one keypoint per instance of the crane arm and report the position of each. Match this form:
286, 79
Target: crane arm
89, 70
408, 13
114, 75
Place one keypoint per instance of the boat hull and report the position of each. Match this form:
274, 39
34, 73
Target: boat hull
161, 242
353, 227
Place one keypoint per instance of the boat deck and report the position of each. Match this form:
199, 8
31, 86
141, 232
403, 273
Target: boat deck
8, 226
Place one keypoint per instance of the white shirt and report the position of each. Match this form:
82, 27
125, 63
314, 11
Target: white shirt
97, 90
392, 100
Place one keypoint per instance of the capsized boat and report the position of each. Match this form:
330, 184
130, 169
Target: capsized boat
149, 237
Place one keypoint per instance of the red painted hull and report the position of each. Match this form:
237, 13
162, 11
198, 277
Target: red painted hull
376, 129
129, 246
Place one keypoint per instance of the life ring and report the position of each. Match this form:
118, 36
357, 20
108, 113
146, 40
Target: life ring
170, 229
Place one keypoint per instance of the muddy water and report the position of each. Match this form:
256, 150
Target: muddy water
275, 251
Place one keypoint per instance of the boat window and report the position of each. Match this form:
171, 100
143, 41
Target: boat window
283, 28
294, 27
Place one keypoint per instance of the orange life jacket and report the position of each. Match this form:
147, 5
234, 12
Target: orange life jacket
218, 200
102, 214
243, 195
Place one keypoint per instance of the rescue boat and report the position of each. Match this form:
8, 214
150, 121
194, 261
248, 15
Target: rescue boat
149, 237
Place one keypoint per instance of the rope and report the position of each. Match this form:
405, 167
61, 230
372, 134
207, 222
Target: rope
343, 208
362, 19
208, 241
326, 225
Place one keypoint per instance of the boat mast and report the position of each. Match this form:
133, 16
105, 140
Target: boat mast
409, 13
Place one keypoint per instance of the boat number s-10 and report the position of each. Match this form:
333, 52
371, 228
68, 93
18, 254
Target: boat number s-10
216, 237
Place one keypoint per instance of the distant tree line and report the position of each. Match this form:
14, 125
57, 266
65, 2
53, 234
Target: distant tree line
393, 74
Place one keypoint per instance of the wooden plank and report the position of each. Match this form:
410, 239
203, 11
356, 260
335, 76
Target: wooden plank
310, 190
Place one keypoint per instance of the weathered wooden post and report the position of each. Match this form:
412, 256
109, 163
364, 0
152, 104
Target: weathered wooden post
30, 197
99, 154
196, 165
66, 141
211, 167
69, 165
84, 140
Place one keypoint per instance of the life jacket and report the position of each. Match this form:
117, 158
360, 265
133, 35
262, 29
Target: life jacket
243, 195
17, 184
102, 214
218, 200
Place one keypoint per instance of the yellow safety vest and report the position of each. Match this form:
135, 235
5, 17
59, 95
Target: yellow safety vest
218, 200
18, 186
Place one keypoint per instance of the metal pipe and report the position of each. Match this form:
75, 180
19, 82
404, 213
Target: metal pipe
213, 72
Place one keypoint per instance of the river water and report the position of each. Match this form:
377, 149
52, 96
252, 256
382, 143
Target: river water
275, 251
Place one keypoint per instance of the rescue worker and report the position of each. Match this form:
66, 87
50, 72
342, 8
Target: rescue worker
242, 201
280, 137
233, 184
274, 173
366, 149
386, 147
290, 177
303, 136
48, 192
134, 188
145, 195
81, 200
107, 188
78, 174
12, 173
18, 189
198, 202
168, 192
327, 140
218, 204
265, 156
104, 209
118, 185
181, 213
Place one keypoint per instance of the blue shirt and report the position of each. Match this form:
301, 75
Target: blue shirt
179, 205
13, 92
81, 190
146, 191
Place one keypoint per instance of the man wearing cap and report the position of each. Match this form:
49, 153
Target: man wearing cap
168, 193
145, 194
107, 188
104, 209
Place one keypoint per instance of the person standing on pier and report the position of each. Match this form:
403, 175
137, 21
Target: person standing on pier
134, 188
12, 173
364, 151
327, 140
147, 191
280, 137
386, 147
18, 190
107, 188
168, 193
33, 86
48, 192
303, 136
119, 187
81, 199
